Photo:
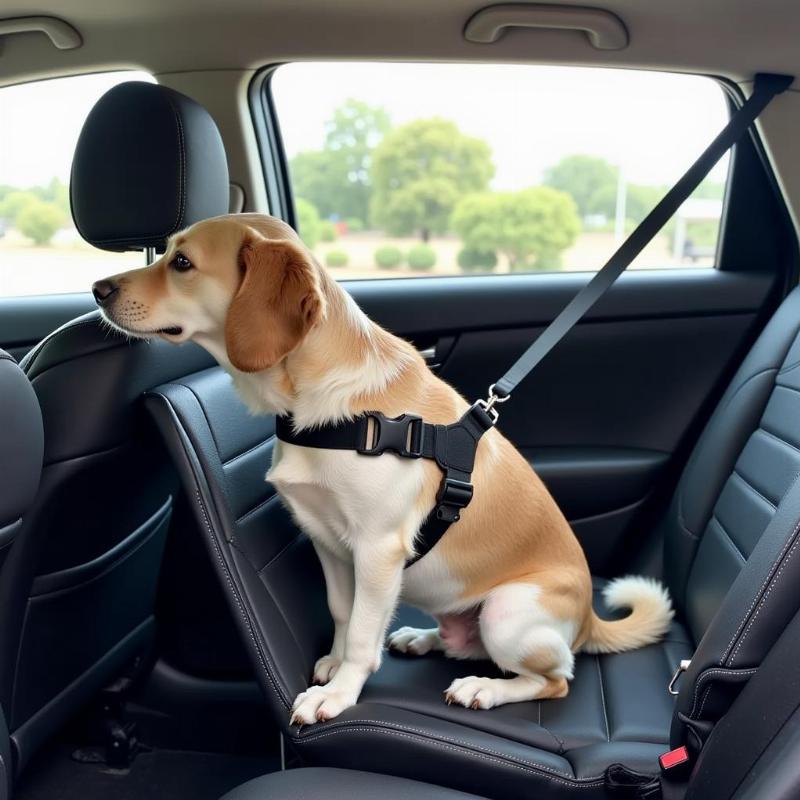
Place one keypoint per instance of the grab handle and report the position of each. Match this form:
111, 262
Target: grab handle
604, 30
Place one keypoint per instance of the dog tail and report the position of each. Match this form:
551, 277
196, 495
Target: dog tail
651, 613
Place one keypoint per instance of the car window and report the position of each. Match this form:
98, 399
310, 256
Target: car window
423, 169
40, 250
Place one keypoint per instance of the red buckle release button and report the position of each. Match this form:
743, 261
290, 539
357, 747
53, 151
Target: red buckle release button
676, 757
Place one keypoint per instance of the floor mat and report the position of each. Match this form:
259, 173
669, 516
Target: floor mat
157, 775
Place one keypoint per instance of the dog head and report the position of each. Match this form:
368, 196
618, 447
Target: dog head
245, 283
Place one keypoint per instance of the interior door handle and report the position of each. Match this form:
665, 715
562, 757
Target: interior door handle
436, 354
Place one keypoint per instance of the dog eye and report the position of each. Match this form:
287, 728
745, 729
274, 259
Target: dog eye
180, 263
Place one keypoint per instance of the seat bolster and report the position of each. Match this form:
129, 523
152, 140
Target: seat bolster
21, 446
85, 353
324, 784
398, 742
712, 461
755, 611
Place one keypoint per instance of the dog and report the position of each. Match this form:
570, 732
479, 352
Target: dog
508, 582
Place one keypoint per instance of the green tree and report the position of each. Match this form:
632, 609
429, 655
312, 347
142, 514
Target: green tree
309, 225
531, 227
15, 202
39, 221
591, 181
419, 172
336, 179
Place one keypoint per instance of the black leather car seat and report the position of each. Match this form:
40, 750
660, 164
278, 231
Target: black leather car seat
731, 536
21, 448
752, 754
79, 600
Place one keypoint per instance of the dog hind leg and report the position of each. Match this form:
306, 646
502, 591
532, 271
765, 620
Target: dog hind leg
521, 636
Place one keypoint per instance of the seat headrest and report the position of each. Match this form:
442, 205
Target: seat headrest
149, 162
21, 442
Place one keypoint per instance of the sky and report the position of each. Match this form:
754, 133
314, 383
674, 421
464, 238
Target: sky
652, 125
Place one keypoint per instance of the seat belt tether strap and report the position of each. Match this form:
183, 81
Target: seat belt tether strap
766, 87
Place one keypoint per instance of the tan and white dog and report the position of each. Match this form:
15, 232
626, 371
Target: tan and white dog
508, 582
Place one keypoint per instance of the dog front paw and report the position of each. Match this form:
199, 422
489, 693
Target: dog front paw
325, 669
319, 704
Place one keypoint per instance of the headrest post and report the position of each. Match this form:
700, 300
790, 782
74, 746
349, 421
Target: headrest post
149, 255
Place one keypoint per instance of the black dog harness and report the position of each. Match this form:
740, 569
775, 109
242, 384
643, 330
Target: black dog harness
453, 446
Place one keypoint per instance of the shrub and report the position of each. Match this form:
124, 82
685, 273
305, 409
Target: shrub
308, 222
337, 258
15, 202
327, 231
354, 225
388, 257
476, 260
421, 257
39, 221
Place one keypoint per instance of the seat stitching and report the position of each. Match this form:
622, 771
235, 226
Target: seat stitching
244, 615
256, 508
451, 739
249, 450
262, 653
762, 604
758, 594
182, 176
727, 537
705, 678
205, 415
603, 697
480, 752
750, 486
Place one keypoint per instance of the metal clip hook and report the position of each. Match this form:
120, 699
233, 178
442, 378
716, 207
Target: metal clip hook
682, 667
491, 401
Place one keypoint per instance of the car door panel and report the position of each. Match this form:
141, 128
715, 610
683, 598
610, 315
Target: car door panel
602, 416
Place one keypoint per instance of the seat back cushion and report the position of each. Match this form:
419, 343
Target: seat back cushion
91, 546
732, 536
274, 580
21, 446
739, 473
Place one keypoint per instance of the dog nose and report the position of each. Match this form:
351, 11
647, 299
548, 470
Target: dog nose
104, 291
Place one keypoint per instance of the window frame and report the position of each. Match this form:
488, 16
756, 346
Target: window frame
727, 258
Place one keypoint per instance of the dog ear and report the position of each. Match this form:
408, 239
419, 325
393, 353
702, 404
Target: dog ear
277, 303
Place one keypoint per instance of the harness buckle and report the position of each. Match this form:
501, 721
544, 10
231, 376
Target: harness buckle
401, 435
453, 495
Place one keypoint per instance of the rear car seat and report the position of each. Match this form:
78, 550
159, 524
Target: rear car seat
730, 535
21, 448
148, 161
752, 754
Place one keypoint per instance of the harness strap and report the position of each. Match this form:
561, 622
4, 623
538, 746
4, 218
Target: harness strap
452, 447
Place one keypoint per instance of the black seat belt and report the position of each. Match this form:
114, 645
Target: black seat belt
765, 88
453, 446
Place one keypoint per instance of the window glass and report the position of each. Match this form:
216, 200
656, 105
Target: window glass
40, 250
433, 169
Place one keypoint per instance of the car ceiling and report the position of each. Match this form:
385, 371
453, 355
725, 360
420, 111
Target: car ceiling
733, 38
209, 48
